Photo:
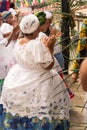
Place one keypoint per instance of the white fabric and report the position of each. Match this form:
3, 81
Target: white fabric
3, 41
45, 55
7, 59
30, 90
49, 15
6, 56
13, 12
56, 64
29, 24
41, 36
6, 28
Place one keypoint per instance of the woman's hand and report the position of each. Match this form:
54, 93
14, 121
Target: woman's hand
49, 41
58, 34
55, 32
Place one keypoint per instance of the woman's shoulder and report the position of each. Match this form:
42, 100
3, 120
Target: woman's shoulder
27, 42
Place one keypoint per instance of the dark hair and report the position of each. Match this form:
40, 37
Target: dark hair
24, 34
27, 34
12, 5
41, 17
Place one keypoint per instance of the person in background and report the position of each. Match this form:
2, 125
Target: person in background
81, 51
8, 19
45, 19
14, 11
33, 97
50, 31
7, 29
7, 35
4, 41
43, 29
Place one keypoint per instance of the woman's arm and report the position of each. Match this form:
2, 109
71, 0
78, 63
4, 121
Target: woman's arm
14, 34
83, 75
49, 43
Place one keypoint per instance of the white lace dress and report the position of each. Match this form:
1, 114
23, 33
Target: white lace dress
30, 90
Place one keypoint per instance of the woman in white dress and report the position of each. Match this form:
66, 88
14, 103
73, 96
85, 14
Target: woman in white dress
33, 97
7, 59
45, 18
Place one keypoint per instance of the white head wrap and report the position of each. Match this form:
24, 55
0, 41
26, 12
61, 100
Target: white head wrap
49, 15
29, 24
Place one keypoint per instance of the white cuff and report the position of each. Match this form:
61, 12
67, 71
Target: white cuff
45, 65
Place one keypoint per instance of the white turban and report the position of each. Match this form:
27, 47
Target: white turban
29, 24
49, 15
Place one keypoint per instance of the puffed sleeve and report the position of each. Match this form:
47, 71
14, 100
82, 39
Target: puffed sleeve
41, 53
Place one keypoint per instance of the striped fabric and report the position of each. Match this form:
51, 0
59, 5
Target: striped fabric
4, 5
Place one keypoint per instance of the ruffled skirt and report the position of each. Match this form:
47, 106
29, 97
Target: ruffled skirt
10, 122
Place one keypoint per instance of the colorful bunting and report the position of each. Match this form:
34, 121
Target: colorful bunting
4, 5
8, 4
38, 1
30, 2
26, 3
35, 2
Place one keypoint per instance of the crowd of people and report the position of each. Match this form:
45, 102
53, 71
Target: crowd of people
33, 94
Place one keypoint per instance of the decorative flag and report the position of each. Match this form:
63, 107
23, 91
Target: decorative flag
3, 6
7, 5
18, 3
35, 2
42, 1
26, 3
30, 2
38, 1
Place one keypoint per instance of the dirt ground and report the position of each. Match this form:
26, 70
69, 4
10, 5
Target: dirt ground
78, 104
